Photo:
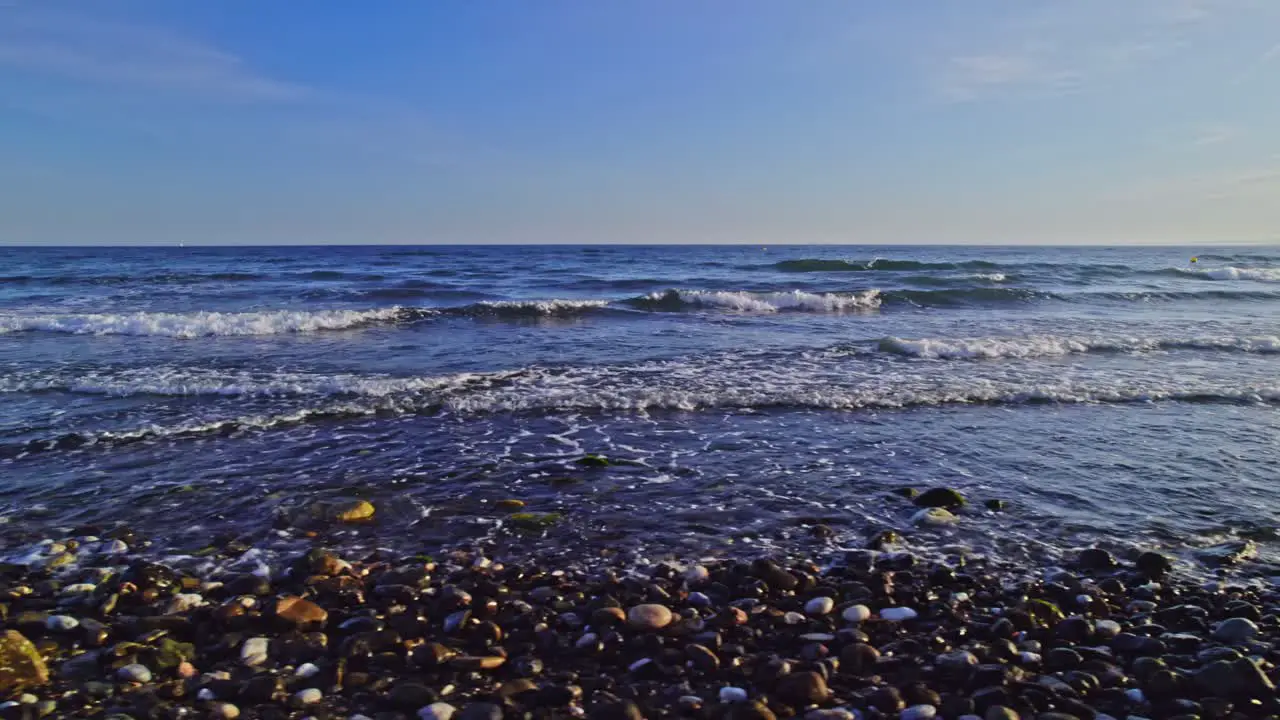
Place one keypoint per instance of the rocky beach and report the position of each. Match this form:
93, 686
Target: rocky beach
102, 623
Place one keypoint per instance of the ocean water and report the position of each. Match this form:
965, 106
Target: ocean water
1124, 397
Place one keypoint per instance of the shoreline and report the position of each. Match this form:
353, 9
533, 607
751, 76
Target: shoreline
869, 634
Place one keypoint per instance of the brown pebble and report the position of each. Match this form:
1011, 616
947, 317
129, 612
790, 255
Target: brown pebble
803, 688
477, 662
299, 611
649, 616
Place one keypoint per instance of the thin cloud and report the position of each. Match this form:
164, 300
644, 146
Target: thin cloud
1214, 135
971, 77
123, 56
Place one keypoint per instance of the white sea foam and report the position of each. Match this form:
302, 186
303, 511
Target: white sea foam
195, 324
1239, 273
770, 302
991, 277
540, 307
1050, 345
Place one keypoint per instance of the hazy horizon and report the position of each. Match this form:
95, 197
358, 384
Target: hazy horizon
149, 123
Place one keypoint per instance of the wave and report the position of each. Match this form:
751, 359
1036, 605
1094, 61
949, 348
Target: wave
1228, 272
198, 324
614, 390
823, 265
1050, 345
759, 302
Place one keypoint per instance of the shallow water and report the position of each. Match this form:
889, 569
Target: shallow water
1122, 396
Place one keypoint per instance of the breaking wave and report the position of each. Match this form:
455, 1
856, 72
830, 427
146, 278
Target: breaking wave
1050, 345
760, 302
1228, 272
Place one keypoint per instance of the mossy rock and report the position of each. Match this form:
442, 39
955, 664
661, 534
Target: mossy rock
20, 663
593, 461
945, 498
534, 521
337, 510
907, 492
995, 505
1044, 613
509, 504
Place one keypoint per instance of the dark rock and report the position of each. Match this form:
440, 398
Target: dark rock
940, 498
1096, 559
1153, 564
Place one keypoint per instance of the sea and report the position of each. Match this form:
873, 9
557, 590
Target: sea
742, 396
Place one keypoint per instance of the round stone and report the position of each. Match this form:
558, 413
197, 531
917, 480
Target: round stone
61, 623
224, 711
919, 712
1235, 630
819, 606
856, 613
898, 614
437, 711
649, 616
732, 694
134, 673
309, 696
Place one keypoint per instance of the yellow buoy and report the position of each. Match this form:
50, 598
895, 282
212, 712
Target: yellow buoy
1195, 259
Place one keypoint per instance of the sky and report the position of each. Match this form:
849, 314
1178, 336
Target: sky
639, 121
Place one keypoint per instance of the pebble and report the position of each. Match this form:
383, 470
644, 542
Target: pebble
254, 651
1235, 630
309, 696
306, 670
184, 602
61, 623
1106, 629
898, 614
819, 606
437, 711
933, 517
224, 710
919, 712
730, 694
696, 575
856, 613
649, 616
134, 673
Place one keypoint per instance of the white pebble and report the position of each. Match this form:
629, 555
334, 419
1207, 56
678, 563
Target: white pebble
134, 673
819, 606
1084, 600
254, 651
919, 712
61, 623
1107, 628
899, 614
1029, 658
437, 711
306, 670
184, 602
1135, 696
856, 613
793, 618
730, 694
310, 696
205, 695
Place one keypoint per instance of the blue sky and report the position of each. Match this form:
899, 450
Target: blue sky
935, 121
